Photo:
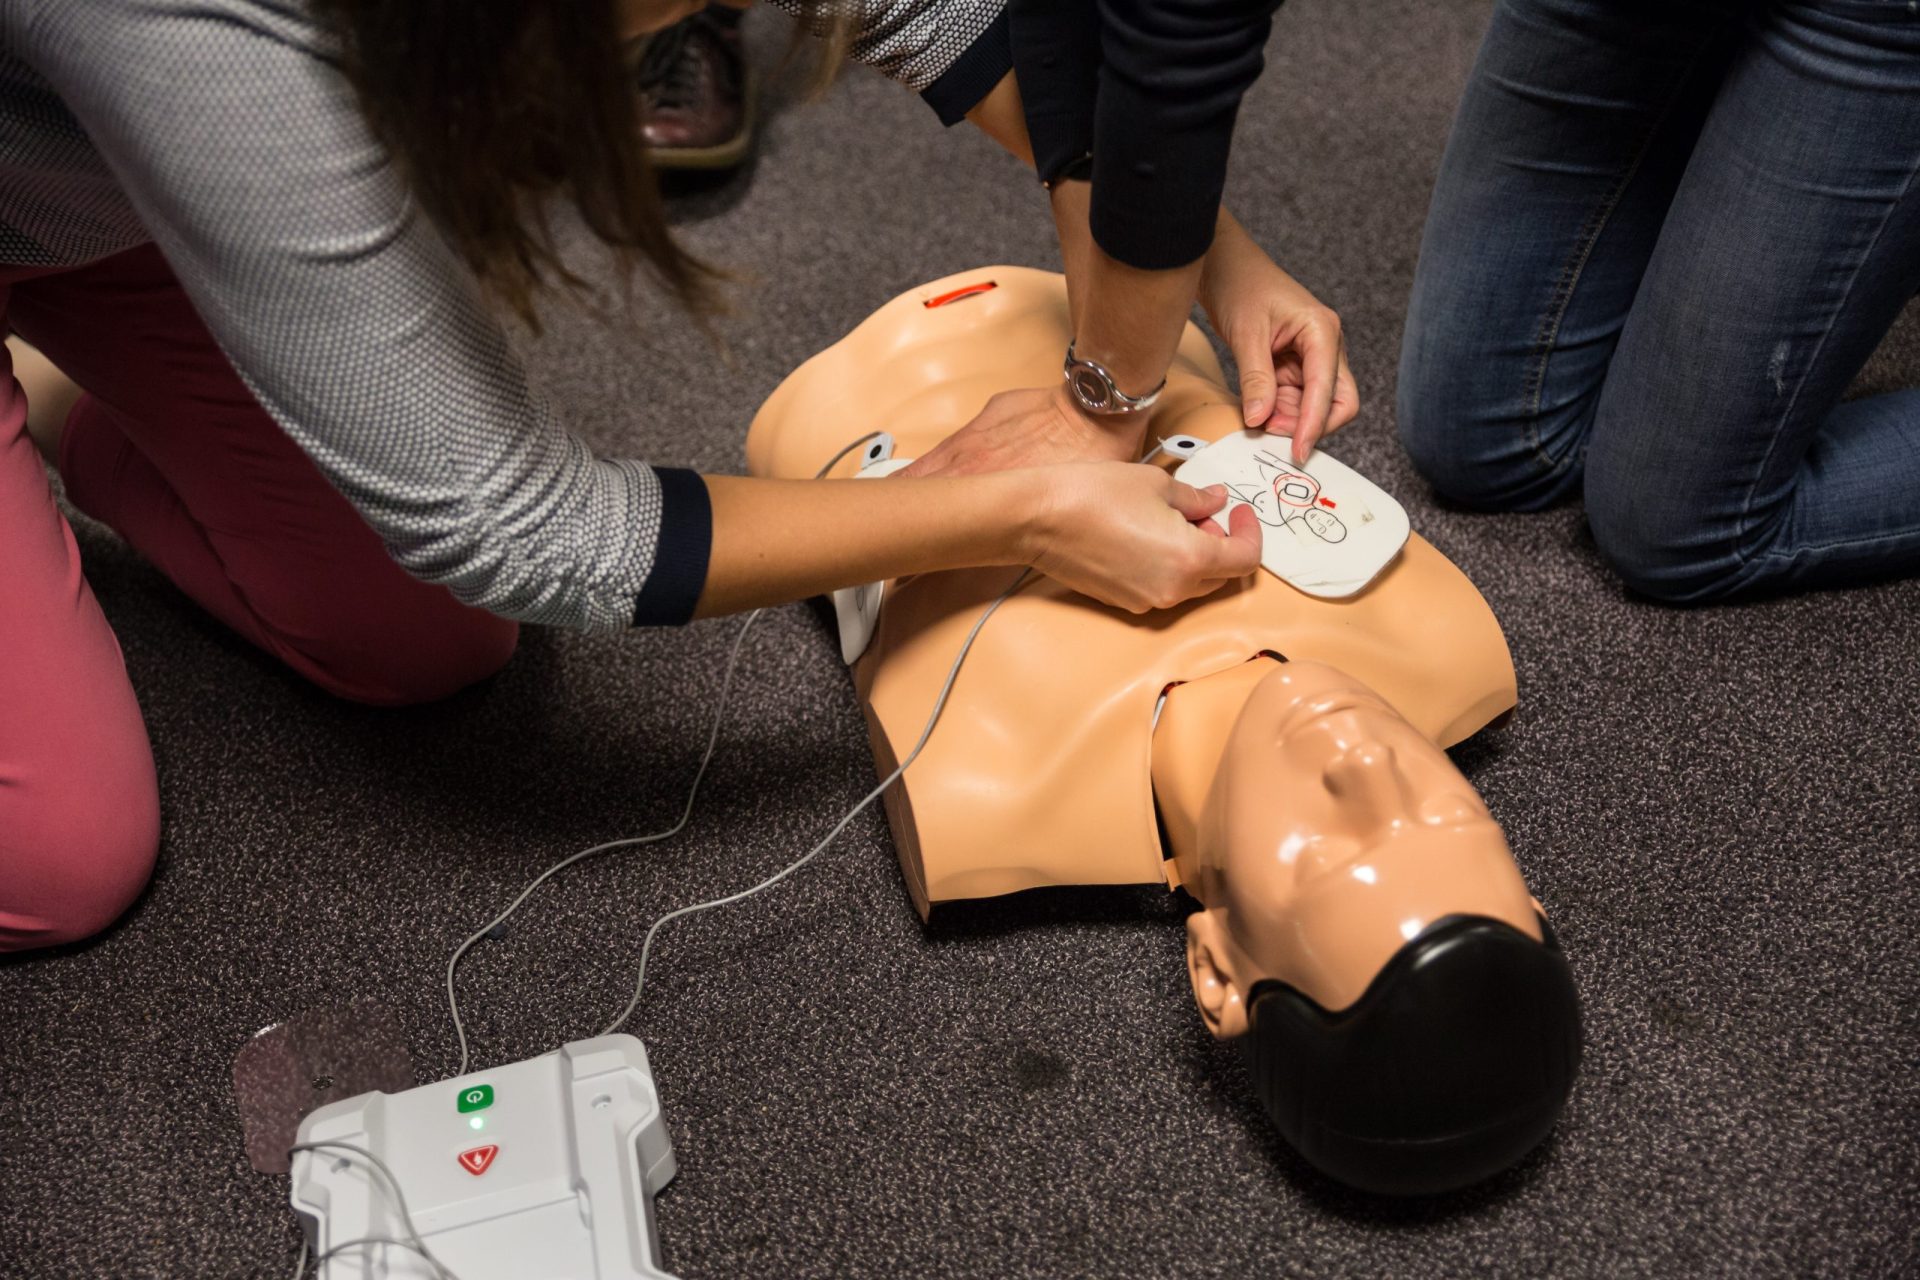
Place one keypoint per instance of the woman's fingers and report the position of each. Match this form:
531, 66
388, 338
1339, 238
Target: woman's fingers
1346, 394
1125, 535
1239, 554
1319, 345
1196, 504
1315, 392
1253, 352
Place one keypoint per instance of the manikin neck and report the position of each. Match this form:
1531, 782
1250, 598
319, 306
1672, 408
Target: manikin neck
1188, 743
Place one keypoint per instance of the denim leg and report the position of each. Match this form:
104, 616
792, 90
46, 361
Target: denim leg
1572, 134
1722, 460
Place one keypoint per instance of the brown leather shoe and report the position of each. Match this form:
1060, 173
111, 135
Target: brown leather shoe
697, 93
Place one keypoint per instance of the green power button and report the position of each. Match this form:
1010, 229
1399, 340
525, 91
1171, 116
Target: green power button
476, 1098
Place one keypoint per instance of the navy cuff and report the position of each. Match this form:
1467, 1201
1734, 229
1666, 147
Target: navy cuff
1164, 225
962, 86
680, 556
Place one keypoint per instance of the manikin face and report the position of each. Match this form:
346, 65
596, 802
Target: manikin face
1334, 833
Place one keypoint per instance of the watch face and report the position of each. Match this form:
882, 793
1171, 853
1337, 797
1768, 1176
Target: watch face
1091, 389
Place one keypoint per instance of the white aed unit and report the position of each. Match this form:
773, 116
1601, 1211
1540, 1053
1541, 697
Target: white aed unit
539, 1170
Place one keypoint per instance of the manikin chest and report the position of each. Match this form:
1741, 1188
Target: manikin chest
1040, 770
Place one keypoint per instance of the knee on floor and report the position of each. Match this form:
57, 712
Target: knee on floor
409, 661
72, 861
1436, 455
1659, 548
1473, 455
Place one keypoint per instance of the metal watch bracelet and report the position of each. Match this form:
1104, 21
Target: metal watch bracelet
1096, 392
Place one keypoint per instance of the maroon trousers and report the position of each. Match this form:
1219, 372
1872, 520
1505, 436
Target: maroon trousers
169, 448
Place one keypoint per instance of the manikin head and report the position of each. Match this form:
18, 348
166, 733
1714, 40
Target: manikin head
1410, 1024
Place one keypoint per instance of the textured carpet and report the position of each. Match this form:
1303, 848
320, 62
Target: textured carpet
1720, 810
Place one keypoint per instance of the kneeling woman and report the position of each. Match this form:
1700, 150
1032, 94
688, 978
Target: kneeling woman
251, 232
1664, 241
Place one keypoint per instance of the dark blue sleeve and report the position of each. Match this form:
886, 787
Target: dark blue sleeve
1171, 79
680, 557
1150, 89
1056, 55
973, 74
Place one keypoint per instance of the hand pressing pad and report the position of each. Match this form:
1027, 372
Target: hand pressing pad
857, 609
1326, 529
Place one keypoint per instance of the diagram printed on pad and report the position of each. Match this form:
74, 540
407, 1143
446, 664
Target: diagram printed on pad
1326, 529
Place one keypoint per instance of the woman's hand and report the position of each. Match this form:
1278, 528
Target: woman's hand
1294, 379
1134, 537
1123, 533
1034, 427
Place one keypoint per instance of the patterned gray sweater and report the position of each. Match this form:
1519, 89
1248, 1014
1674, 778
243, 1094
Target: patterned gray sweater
223, 131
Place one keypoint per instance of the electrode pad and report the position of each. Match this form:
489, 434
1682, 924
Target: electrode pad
313, 1058
1326, 529
857, 609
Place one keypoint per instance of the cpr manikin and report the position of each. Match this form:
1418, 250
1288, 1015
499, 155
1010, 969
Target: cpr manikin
1409, 1020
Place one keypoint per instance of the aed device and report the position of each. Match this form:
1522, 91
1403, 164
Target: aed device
539, 1170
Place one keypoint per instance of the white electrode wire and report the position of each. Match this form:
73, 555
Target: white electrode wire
693, 792
939, 705
412, 1241
391, 1241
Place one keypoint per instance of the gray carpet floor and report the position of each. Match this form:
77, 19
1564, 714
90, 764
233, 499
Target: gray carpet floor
1720, 809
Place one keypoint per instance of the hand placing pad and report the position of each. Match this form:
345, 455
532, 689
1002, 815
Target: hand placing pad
1326, 529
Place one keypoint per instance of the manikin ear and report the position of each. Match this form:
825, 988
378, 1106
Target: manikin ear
1223, 1003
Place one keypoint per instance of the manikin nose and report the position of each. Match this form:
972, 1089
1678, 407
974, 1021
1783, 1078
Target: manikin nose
1366, 779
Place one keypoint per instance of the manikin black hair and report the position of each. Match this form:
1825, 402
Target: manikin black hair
1452, 1065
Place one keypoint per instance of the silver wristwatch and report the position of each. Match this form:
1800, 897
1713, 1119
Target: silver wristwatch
1094, 388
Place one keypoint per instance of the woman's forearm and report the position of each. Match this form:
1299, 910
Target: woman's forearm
1125, 318
781, 540
1233, 251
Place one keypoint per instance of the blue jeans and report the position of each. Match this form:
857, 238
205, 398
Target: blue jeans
1665, 238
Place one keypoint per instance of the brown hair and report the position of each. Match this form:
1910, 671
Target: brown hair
493, 106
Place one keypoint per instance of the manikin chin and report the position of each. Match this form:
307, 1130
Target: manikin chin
1410, 1023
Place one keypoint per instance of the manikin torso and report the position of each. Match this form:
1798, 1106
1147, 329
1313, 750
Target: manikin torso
1047, 767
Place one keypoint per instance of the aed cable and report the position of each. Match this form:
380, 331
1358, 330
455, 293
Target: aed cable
686, 812
412, 1240
933, 718
726, 684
